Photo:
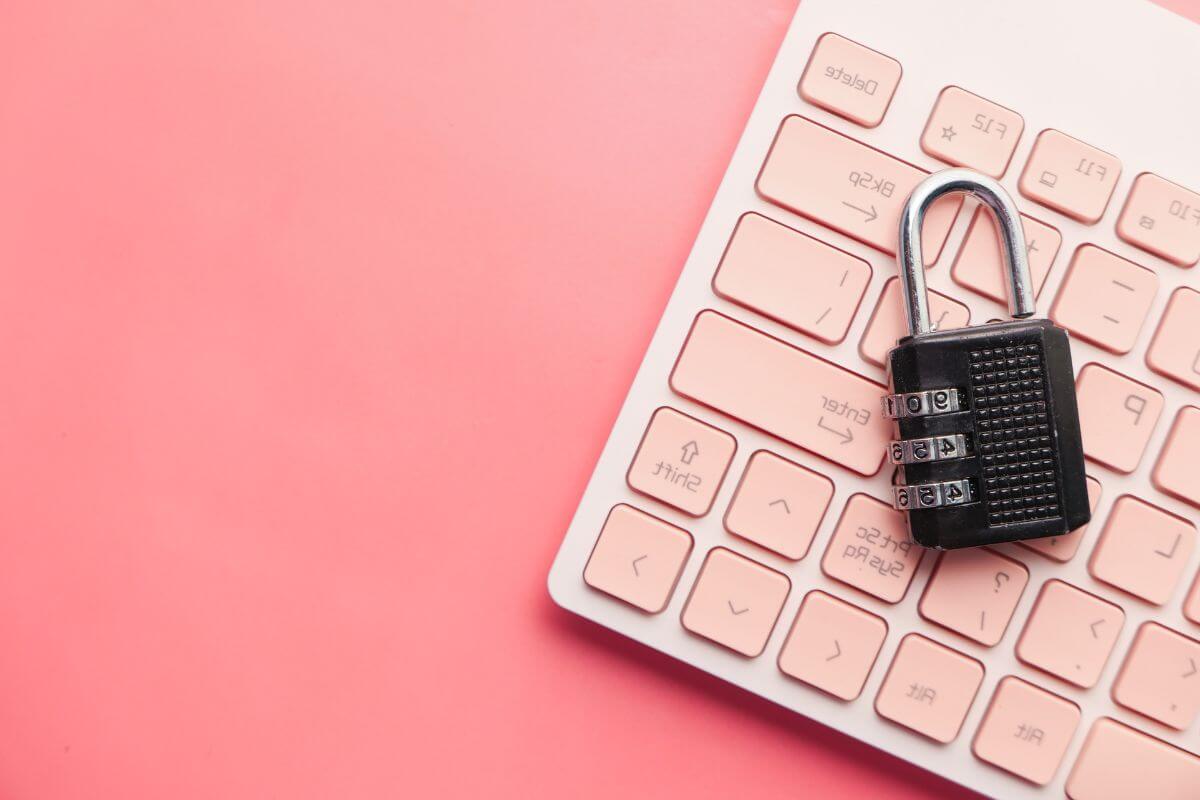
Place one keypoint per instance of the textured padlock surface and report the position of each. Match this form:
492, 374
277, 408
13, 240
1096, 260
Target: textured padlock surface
1026, 457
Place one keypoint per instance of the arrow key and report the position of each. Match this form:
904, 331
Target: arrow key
1161, 677
735, 602
832, 645
779, 505
638, 558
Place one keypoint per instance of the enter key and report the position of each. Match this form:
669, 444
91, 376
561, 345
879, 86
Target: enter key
783, 390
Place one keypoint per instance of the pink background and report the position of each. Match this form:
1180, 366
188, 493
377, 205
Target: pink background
314, 318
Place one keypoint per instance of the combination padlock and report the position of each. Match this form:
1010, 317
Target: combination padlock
989, 448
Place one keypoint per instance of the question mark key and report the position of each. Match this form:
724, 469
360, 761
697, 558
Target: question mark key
974, 593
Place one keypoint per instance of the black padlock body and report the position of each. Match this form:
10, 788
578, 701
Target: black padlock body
1023, 424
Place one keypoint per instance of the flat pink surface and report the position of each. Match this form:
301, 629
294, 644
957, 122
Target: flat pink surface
313, 320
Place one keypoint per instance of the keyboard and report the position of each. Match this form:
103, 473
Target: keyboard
738, 518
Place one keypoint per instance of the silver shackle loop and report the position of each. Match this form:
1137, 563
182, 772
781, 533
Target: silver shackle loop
1021, 302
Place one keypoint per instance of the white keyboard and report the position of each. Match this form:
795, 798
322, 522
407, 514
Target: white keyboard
737, 519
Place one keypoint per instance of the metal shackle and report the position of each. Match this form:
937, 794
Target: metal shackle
1021, 302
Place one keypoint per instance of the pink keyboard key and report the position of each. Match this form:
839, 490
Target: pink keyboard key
1143, 550
638, 558
784, 391
967, 131
735, 602
1161, 677
1120, 763
681, 461
871, 550
850, 80
1070, 176
1026, 730
1070, 633
778, 505
1175, 349
929, 688
793, 278
1117, 416
832, 645
1176, 472
848, 186
1063, 548
1105, 299
979, 265
1191, 606
1162, 218
887, 321
974, 593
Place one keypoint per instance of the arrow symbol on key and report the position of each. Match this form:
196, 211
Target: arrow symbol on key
870, 215
1174, 547
1094, 624
838, 648
735, 611
1192, 671
781, 502
847, 436
635, 569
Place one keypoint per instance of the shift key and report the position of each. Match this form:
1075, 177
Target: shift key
848, 186
784, 391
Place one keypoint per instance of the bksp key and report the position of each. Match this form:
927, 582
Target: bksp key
989, 448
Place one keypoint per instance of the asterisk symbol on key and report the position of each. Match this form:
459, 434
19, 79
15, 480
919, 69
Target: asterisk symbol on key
949, 133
